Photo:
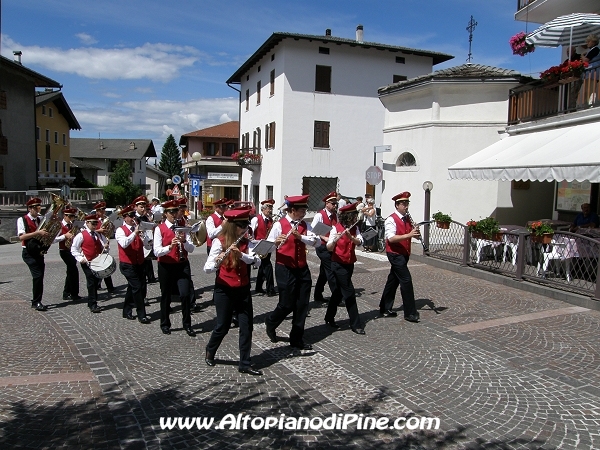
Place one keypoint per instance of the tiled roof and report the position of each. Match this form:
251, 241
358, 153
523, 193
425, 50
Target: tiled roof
277, 37
462, 72
229, 130
38, 79
59, 100
78, 163
93, 148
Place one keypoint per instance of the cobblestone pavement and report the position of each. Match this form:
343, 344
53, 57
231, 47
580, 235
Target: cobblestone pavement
500, 368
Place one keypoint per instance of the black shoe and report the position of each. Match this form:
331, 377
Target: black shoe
388, 313
75, 297
272, 334
303, 346
166, 330
358, 330
39, 306
332, 324
197, 307
95, 308
128, 316
271, 293
66, 296
210, 362
250, 371
146, 302
145, 320
190, 332
412, 318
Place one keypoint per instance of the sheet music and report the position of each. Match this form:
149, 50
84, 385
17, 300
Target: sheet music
264, 247
369, 234
321, 229
196, 227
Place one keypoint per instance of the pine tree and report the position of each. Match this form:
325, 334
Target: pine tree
170, 159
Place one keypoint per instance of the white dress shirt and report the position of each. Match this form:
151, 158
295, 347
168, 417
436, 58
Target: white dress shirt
309, 238
217, 248
125, 241
390, 225
76, 250
159, 250
334, 236
211, 230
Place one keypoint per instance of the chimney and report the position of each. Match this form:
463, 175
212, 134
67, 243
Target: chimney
359, 34
328, 32
17, 54
101, 145
132, 146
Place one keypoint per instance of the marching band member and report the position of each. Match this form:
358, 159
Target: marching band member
86, 246
343, 239
100, 208
291, 235
398, 235
171, 250
156, 208
27, 228
131, 240
214, 221
141, 203
71, 287
329, 217
232, 286
261, 226
183, 221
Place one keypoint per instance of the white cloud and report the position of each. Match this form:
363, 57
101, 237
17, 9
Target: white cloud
86, 39
158, 62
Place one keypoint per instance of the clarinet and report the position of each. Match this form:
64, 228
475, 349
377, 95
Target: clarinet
415, 226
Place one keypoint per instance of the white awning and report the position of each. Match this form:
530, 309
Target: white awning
568, 153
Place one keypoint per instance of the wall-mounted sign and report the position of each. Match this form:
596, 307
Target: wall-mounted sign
223, 176
571, 194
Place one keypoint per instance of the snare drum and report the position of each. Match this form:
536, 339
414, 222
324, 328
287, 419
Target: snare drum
103, 265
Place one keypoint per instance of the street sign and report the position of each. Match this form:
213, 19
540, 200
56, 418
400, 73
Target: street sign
176, 179
382, 148
374, 175
175, 191
192, 176
195, 187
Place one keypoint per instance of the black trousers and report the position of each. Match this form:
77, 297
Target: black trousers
37, 267
71, 286
92, 283
170, 275
108, 281
265, 272
149, 270
325, 274
294, 296
399, 276
229, 301
136, 288
344, 291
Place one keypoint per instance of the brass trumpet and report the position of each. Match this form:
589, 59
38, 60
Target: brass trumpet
51, 223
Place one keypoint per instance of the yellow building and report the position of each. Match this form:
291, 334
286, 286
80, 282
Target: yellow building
54, 120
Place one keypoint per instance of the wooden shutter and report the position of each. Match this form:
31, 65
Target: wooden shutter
272, 135
321, 134
323, 79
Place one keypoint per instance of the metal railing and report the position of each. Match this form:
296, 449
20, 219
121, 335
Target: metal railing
538, 99
523, 3
565, 261
15, 199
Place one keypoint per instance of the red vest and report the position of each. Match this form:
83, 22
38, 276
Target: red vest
327, 221
65, 229
167, 236
402, 247
31, 227
262, 232
231, 276
134, 253
217, 221
91, 248
343, 252
292, 253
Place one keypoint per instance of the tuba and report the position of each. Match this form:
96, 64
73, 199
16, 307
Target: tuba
51, 223
76, 229
107, 226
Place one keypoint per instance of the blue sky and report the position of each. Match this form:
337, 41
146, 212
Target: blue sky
149, 68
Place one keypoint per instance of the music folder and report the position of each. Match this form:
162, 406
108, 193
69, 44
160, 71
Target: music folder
369, 234
263, 247
195, 227
320, 229
425, 222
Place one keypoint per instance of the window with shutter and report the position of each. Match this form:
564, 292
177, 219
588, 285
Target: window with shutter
272, 82
272, 135
247, 99
258, 86
321, 139
323, 79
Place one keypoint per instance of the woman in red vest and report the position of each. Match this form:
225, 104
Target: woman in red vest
343, 239
229, 257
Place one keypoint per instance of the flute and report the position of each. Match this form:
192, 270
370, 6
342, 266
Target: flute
415, 226
219, 261
347, 229
294, 228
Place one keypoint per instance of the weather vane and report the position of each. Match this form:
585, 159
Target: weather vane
470, 29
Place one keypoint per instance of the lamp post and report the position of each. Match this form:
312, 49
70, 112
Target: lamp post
196, 156
169, 181
427, 187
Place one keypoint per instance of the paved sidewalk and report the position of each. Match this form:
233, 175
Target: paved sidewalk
500, 368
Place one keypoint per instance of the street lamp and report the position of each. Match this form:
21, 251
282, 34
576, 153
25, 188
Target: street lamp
196, 156
169, 181
427, 187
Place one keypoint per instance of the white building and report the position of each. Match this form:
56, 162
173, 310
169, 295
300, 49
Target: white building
437, 120
309, 106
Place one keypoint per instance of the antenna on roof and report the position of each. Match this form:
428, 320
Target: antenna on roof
470, 28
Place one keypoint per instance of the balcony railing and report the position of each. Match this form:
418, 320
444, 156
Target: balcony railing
523, 3
538, 100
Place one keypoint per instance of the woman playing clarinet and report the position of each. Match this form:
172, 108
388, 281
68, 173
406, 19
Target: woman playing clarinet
229, 256
343, 240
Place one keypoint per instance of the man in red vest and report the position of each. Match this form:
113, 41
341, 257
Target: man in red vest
328, 216
291, 236
27, 228
131, 240
171, 249
214, 221
100, 209
86, 246
261, 226
398, 235
71, 287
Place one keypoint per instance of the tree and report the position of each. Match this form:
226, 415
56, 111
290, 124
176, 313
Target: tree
170, 159
121, 190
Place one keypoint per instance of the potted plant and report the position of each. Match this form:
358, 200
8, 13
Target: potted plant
551, 75
442, 220
487, 228
519, 45
572, 70
245, 159
541, 232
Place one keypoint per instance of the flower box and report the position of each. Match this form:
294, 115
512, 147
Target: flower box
496, 237
543, 239
568, 80
443, 225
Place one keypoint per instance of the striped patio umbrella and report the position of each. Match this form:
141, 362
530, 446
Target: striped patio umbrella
571, 29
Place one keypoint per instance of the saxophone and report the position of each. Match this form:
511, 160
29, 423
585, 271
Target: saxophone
80, 217
51, 223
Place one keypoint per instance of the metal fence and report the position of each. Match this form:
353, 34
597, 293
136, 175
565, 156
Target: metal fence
19, 198
566, 261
